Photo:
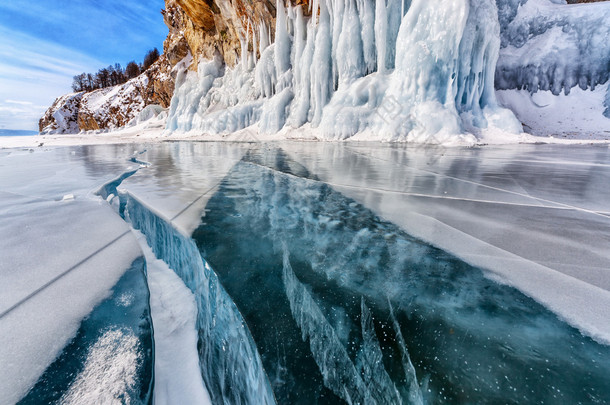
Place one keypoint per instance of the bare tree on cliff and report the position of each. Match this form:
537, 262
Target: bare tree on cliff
103, 78
79, 82
90, 82
119, 74
132, 70
150, 58
115, 74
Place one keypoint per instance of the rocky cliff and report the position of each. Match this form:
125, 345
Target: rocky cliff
210, 26
110, 107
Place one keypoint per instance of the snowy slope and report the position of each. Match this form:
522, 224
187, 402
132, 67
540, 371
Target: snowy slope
62, 116
112, 107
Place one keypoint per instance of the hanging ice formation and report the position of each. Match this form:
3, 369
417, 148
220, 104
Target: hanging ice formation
395, 70
547, 45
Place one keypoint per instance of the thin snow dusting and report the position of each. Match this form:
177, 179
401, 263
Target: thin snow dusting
110, 371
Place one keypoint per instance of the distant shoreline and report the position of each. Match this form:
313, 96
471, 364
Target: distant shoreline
17, 132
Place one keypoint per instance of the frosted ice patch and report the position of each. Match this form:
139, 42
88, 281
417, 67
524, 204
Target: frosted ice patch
110, 371
125, 300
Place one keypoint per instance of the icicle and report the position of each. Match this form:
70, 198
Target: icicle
350, 59
299, 111
381, 34
254, 46
264, 41
367, 22
243, 40
336, 24
282, 40
300, 32
248, 60
314, 11
321, 68
394, 20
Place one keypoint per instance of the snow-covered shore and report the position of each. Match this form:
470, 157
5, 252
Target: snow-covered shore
144, 134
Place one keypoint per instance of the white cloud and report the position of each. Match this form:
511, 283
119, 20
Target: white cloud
33, 72
18, 102
44, 43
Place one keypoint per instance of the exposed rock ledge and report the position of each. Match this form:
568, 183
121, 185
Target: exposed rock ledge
111, 107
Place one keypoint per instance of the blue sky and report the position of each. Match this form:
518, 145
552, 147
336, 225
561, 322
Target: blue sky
43, 43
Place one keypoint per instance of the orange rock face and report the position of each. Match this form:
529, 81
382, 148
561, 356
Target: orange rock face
199, 12
219, 25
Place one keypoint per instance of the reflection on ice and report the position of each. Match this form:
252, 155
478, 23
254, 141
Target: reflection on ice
180, 179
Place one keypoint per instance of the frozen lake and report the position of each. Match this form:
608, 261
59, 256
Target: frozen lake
318, 273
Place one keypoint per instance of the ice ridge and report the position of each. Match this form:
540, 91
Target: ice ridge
230, 364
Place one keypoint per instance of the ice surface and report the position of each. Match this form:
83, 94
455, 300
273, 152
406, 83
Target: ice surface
51, 248
534, 218
359, 69
469, 338
318, 273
